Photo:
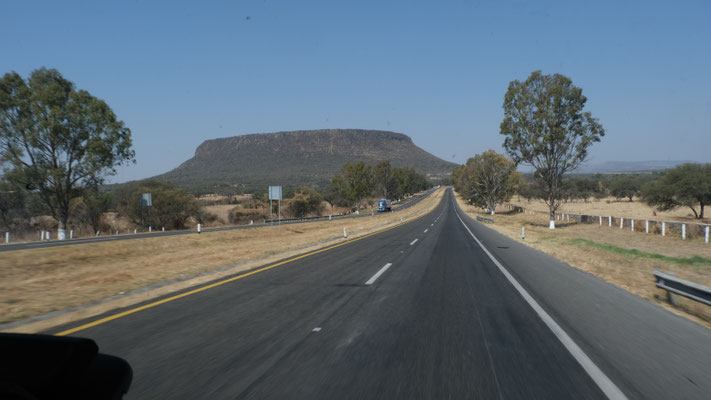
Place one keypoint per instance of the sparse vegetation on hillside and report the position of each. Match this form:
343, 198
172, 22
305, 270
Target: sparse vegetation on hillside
250, 163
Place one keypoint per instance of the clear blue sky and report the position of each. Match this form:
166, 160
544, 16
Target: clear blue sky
180, 73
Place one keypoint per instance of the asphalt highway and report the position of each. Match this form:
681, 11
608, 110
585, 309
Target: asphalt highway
438, 308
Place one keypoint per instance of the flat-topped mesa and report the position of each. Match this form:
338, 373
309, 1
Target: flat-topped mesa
298, 158
333, 141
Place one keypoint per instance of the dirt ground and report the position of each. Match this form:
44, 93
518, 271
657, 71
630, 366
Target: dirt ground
624, 258
222, 211
39, 281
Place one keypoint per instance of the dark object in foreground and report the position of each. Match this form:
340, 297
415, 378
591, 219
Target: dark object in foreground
53, 367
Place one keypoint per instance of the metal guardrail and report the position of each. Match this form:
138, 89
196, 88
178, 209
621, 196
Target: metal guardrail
485, 219
682, 287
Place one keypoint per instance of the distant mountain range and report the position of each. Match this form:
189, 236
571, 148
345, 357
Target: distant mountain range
296, 158
629, 166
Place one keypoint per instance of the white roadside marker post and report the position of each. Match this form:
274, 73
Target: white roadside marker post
646, 226
97, 233
523, 233
71, 234
163, 229
706, 236
632, 225
664, 225
683, 231
150, 229
7, 236
622, 221
135, 231
345, 234
609, 221
198, 228
601, 220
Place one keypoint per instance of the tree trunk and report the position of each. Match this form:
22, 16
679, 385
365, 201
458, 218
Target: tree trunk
62, 230
696, 215
701, 212
551, 209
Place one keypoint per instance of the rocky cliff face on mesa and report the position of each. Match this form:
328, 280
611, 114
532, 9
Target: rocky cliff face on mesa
298, 158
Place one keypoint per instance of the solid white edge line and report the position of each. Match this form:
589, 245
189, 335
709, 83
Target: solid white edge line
413, 242
426, 230
603, 382
377, 274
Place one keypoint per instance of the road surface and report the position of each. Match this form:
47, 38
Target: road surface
421, 311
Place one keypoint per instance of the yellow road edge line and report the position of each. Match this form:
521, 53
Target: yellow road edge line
222, 282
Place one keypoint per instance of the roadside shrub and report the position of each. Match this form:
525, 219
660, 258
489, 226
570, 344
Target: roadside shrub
240, 216
172, 207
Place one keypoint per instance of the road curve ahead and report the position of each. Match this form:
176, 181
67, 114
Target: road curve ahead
420, 311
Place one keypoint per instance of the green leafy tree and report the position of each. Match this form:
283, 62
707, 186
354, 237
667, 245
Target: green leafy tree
12, 205
382, 176
406, 181
172, 207
56, 140
93, 206
355, 182
688, 185
488, 179
332, 196
546, 128
625, 186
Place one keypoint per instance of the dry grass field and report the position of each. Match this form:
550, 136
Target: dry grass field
617, 208
621, 257
39, 281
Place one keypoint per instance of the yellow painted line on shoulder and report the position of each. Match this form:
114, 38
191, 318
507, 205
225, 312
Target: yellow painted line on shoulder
222, 282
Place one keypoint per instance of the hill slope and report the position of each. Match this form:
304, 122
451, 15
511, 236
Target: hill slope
297, 158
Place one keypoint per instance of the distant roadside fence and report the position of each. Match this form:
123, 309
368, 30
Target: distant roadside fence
664, 228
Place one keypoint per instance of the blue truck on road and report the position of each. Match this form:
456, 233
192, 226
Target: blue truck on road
384, 205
